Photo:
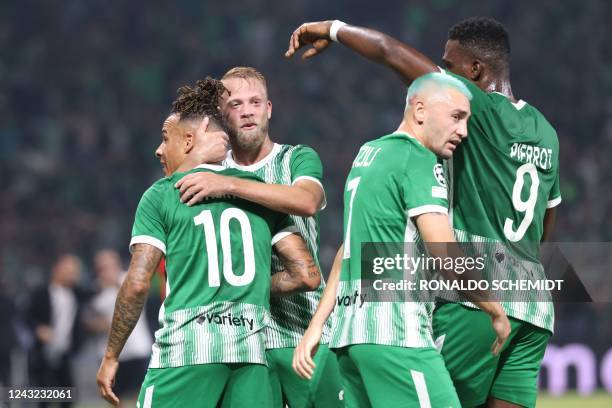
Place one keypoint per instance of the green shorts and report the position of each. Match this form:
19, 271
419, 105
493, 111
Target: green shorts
322, 391
465, 336
206, 385
386, 376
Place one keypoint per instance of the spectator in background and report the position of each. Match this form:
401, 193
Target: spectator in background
54, 315
134, 357
8, 337
78, 93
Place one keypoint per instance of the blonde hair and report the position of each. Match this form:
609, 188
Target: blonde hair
246, 73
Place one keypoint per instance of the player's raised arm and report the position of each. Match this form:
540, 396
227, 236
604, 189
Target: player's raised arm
435, 228
303, 363
301, 272
130, 302
371, 44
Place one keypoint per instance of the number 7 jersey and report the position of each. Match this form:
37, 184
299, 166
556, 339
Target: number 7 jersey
217, 257
503, 178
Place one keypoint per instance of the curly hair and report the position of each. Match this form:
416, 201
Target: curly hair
486, 38
199, 100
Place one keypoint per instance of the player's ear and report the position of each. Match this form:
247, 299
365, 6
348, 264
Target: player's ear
189, 141
419, 112
269, 109
476, 70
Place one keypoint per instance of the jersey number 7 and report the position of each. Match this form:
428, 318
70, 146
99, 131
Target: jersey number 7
352, 187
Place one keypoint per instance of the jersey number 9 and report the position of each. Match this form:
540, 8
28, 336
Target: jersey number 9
526, 207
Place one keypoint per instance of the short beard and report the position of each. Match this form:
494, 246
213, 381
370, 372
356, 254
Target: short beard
248, 143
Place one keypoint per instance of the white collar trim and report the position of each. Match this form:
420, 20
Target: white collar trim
255, 166
214, 167
518, 105
409, 136
400, 132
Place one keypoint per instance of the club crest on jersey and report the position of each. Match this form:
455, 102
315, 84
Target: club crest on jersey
438, 172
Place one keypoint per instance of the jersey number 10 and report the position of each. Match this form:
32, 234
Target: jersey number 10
214, 280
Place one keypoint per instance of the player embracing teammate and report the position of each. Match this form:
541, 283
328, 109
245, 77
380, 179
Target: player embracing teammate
500, 193
216, 224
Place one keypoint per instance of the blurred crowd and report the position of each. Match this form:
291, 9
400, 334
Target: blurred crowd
85, 85
61, 317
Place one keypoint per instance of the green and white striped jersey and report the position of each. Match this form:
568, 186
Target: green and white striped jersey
392, 179
502, 178
287, 164
533, 306
217, 263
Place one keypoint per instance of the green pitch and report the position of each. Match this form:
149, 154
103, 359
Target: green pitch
572, 400
569, 400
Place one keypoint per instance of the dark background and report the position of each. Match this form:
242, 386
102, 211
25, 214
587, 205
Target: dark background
85, 86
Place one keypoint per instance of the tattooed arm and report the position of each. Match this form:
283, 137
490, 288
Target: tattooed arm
130, 301
301, 272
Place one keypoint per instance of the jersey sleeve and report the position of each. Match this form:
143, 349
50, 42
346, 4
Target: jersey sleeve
554, 197
149, 226
305, 164
283, 228
424, 185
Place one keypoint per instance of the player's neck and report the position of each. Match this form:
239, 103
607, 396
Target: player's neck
246, 157
502, 86
406, 127
187, 164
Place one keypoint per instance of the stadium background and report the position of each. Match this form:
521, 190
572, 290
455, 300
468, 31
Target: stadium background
85, 86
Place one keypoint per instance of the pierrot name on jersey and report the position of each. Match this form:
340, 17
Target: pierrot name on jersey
504, 177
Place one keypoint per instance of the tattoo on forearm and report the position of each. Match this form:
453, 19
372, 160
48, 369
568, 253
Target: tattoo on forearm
299, 267
131, 297
283, 283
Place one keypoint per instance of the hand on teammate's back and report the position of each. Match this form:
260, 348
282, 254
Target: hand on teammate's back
210, 147
194, 187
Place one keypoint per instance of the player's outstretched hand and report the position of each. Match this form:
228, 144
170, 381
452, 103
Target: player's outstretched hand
314, 34
303, 364
502, 328
195, 187
210, 147
106, 380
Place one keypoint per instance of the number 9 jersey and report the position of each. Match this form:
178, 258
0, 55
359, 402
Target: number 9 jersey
511, 156
503, 178
217, 257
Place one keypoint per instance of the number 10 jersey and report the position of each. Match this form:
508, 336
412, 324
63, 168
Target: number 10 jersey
218, 272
